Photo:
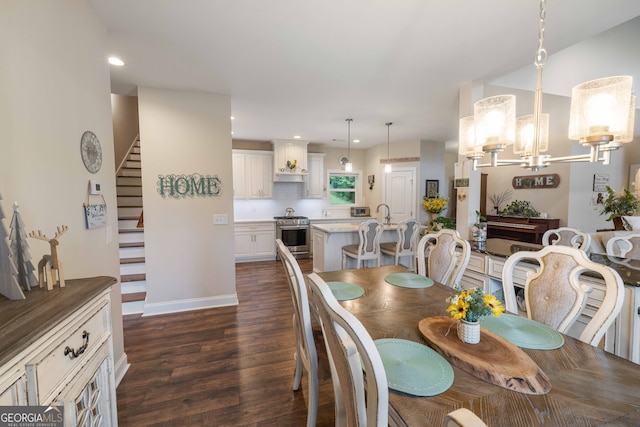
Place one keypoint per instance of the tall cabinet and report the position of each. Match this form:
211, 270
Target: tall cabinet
315, 184
252, 174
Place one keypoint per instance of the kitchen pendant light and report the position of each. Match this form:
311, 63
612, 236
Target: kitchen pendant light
602, 117
348, 166
387, 167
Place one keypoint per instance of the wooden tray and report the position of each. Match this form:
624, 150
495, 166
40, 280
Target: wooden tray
493, 359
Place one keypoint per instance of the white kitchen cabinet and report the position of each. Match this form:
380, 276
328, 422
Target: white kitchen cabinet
315, 184
255, 241
252, 174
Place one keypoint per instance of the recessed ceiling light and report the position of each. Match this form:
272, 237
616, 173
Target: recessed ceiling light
355, 141
296, 137
231, 132
232, 118
113, 60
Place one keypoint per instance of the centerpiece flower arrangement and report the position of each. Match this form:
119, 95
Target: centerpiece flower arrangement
434, 206
469, 305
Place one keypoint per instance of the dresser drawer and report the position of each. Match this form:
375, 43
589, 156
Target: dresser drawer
477, 263
70, 350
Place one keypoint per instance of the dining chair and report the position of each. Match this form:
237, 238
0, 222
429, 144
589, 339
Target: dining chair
353, 356
306, 355
555, 296
368, 248
443, 256
567, 236
407, 241
463, 418
624, 246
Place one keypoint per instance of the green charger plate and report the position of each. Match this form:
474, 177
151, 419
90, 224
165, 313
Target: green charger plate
345, 291
523, 332
408, 280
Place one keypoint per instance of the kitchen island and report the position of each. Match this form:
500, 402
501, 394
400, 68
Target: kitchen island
328, 240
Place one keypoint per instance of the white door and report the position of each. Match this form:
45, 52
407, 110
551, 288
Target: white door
400, 194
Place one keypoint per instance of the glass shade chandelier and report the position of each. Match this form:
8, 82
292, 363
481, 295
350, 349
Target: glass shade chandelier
602, 117
348, 166
387, 166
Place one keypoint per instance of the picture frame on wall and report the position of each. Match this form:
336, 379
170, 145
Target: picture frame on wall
432, 188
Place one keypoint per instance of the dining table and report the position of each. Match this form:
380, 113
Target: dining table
588, 386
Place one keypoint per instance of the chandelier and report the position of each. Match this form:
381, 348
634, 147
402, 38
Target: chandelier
601, 117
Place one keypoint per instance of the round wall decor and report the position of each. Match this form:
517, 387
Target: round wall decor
91, 151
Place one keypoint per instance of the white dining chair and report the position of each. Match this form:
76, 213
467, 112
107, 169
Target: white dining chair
407, 243
567, 236
368, 248
353, 356
306, 355
443, 256
463, 418
555, 296
624, 246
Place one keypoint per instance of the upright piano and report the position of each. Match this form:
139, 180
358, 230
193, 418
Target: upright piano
519, 228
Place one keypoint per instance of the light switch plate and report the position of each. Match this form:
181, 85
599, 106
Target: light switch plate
220, 219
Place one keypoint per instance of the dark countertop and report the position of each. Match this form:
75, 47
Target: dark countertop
22, 322
628, 269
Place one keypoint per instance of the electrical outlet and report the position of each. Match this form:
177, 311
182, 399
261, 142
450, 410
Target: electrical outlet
220, 219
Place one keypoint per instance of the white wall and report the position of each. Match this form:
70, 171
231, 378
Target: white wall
54, 81
189, 260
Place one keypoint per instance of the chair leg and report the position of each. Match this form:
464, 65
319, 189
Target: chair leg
297, 378
344, 261
314, 392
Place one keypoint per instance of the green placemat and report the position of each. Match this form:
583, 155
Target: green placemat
414, 368
408, 280
523, 332
345, 291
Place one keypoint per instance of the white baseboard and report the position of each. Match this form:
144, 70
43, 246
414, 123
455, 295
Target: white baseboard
121, 368
152, 309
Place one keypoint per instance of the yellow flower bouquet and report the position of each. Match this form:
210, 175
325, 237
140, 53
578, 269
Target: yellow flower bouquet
472, 304
435, 204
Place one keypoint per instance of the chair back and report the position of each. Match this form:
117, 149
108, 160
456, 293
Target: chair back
369, 233
463, 418
408, 236
624, 246
555, 296
447, 256
351, 350
567, 236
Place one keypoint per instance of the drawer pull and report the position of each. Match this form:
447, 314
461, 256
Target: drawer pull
75, 353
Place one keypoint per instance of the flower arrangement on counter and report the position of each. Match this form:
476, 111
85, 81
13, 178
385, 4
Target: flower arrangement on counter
435, 204
472, 304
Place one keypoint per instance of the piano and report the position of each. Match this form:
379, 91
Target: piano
519, 228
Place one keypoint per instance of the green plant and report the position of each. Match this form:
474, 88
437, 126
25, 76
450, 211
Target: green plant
472, 304
442, 222
620, 204
479, 219
521, 208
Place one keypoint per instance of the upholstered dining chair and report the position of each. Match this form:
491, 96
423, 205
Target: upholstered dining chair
555, 296
306, 354
624, 246
463, 418
443, 256
351, 352
368, 248
567, 236
407, 242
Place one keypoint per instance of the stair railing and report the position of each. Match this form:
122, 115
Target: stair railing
126, 156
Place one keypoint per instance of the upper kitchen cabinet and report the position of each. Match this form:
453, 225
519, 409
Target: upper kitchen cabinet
315, 179
252, 174
289, 160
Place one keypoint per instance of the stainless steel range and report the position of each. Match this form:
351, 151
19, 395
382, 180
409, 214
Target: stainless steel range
294, 233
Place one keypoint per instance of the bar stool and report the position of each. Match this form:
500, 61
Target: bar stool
407, 241
369, 233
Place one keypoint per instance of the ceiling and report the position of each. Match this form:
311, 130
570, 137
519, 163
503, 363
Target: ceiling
301, 67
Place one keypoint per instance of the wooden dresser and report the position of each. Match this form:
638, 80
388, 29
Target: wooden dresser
56, 348
519, 228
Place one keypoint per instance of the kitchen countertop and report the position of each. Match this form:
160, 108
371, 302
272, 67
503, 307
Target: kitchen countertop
346, 227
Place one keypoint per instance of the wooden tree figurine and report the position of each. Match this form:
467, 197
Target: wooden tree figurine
9, 286
20, 249
50, 268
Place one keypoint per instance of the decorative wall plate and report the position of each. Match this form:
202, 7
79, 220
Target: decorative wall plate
91, 151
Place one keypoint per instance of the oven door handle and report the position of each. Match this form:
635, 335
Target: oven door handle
293, 227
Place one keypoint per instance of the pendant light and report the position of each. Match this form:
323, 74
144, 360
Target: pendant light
348, 166
387, 167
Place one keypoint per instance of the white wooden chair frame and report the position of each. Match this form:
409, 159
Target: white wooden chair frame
407, 242
306, 354
567, 236
447, 256
368, 248
624, 246
351, 349
463, 418
554, 294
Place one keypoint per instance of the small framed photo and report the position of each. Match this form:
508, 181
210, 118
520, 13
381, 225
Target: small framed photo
433, 188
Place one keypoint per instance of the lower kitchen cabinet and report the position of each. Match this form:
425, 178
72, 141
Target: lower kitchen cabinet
255, 241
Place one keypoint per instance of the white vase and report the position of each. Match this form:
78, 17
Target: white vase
469, 332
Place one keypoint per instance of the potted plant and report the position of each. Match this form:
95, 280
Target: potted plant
434, 206
479, 229
617, 205
521, 208
469, 305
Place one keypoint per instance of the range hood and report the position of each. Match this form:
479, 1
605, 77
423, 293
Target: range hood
289, 160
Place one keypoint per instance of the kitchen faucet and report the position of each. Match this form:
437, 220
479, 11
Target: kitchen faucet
387, 219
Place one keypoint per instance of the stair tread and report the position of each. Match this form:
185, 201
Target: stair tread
129, 195
131, 230
128, 218
132, 277
136, 296
129, 185
132, 245
135, 260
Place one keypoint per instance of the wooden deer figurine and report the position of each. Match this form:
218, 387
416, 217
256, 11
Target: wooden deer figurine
50, 268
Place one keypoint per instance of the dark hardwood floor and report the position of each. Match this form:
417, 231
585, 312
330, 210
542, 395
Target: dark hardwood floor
227, 366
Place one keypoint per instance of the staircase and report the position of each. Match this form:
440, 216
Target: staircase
131, 232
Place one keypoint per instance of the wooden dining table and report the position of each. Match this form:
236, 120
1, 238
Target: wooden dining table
589, 387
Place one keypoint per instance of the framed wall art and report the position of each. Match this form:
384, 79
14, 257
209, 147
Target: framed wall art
432, 188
